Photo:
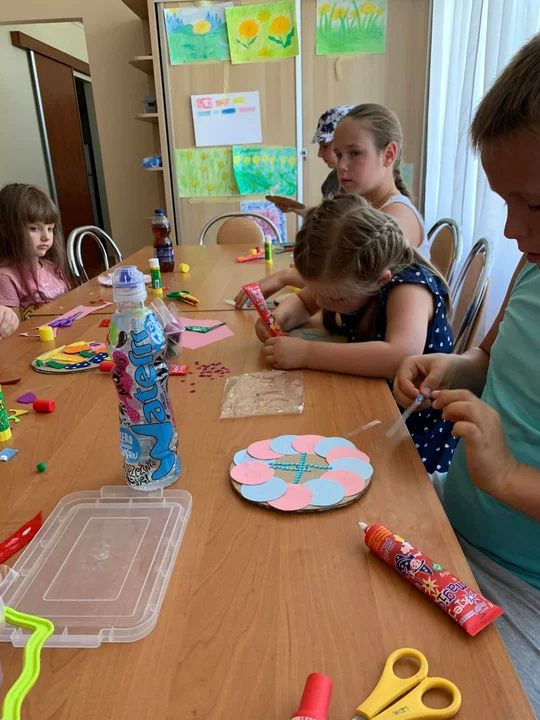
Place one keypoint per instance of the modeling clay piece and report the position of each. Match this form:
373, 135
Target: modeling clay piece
42, 630
44, 406
27, 398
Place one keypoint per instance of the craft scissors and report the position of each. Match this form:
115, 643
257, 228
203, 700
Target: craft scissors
65, 322
184, 296
381, 704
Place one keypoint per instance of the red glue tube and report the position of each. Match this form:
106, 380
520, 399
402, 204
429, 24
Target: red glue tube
316, 697
253, 291
468, 608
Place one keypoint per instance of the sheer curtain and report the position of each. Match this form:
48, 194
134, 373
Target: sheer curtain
472, 41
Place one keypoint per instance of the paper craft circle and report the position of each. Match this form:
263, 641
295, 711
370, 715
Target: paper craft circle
297, 497
360, 467
297, 479
252, 473
341, 452
282, 445
267, 491
261, 450
324, 446
306, 443
351, 482
243, 456
63, 359
325, 492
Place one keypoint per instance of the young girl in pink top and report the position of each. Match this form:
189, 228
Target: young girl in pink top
32, 254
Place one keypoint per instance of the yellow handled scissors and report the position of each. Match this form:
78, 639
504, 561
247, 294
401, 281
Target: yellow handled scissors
410, 706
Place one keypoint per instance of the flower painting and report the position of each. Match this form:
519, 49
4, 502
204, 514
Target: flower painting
262, 32
265, 170
351, 26
197, 34
205, 172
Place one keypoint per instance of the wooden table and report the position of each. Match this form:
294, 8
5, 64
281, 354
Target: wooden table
214, 276
257, 600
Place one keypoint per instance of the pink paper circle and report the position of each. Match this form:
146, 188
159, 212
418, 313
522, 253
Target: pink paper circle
342, 452
252, 473
262, 451
297, 497
351, 482
306, 443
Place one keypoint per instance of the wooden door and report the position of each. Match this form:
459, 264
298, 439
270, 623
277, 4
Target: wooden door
58, 97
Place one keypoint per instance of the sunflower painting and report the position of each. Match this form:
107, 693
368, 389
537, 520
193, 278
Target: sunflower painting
262, 32
265, 170
197, 34
351, 26
205, 172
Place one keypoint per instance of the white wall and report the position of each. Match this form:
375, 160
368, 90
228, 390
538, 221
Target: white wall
21, 153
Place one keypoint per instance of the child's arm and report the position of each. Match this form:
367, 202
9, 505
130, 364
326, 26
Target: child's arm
492, 467
294, 311
408, 310
425, 373
272, 284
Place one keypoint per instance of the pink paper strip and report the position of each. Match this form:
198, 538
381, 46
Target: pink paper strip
194, 340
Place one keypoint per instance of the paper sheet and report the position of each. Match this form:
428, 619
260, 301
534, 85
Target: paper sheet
194, 340
232, 117
197, 34
265, 170
258, 33
351, 26
205, 173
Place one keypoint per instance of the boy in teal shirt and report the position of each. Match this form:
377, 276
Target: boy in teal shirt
492, 491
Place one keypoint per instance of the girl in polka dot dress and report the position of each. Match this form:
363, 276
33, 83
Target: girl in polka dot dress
380, 293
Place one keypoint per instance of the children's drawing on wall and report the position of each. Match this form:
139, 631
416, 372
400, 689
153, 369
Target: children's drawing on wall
262, 32
197, 34
272, 212
205, 172
351, 26
265, 170
232, 117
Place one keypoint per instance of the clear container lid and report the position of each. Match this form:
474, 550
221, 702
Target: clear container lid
99, 567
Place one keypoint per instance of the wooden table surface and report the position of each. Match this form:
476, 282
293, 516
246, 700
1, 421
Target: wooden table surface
214, 276
257, 599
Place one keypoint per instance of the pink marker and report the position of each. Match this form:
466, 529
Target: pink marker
316, 697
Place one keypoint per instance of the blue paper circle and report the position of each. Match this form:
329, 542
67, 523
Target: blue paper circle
243, 456
282, 444
325, 492
270, 490
355, 465
324, 446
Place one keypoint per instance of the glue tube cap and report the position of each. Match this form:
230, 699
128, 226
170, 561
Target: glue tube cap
5, 435
44, 406
46, 333
316, 697
106, 365
154, 262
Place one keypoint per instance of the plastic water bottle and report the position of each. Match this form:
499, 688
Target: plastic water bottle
137, 344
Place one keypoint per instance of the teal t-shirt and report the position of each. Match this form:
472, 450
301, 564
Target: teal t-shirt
513, 389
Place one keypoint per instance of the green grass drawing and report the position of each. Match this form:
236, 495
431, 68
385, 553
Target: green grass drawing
197, 34
262, 32
351, 26
205, 172
265, 170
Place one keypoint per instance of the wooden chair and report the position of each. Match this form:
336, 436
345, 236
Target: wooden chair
239, 229
74, 251
446, 246
469, 295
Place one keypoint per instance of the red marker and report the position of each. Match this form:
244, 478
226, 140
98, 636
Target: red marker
316, 697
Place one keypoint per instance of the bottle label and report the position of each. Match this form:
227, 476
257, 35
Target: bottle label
165, 254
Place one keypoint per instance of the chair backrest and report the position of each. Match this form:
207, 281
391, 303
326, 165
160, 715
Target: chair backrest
469, 294
240, 234
74, 252
446, 246
240, 231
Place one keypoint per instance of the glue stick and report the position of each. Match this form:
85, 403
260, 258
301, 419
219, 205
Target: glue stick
468, 608
155, 274
268, 251
5, 430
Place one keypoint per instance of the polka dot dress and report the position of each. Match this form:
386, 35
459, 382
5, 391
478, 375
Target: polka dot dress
430, 433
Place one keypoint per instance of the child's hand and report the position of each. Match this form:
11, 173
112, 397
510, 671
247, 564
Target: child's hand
489, 459
286, 353
269, 285
421, 375
261, 330
9, 321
